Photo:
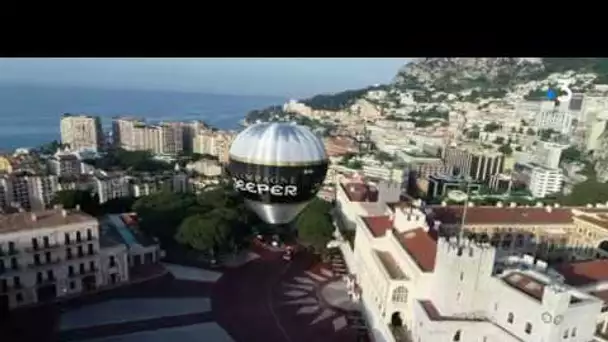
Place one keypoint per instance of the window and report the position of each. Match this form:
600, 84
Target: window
14, 264
36, 259
11, 247
3, 285
19, 297
92, 265
456, 336
47, 256
45, 241
67, 238
17, 282
78, 237
39, 278
69, 253
80, 251
89, 235
70, 270
459, 251
112, 261
573, 332
528, 328
90, 247
34, 243
81, 268
495, 306
50, 275
72, 285
510, 318
461, 276
400, 294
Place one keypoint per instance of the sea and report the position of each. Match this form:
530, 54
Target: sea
29, 115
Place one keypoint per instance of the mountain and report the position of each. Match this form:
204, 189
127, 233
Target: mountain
425, 90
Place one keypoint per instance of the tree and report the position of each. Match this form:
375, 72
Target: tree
506, 149
162, 212
571, 154
314, 224
491, 127
473, 134
499, 140
530, 132
69, 199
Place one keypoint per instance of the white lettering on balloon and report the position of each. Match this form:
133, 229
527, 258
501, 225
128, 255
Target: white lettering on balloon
261, 188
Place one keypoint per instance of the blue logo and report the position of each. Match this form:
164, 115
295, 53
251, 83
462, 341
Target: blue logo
551, 95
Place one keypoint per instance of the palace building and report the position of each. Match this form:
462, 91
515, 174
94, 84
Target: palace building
508, 273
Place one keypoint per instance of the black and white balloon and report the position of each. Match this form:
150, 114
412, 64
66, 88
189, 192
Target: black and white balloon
278, 168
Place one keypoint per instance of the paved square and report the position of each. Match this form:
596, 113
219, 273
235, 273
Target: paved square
128, 310
208, 332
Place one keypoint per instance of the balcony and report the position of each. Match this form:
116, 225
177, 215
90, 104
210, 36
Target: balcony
9, 253
84, 273
42, 248
75, 242
45, 264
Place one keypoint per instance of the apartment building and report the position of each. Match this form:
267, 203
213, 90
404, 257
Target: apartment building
123, 130
544, 181
172, 138
548, 154
473, 162
65, 164
81, 132
213, 143
29, 192
53, 253
110, 186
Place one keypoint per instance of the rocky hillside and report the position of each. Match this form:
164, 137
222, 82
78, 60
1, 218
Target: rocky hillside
426, 89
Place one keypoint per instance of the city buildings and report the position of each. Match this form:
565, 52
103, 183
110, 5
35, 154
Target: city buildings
65, 164
548, 154
81, 132
54, 253
474, 162
27, 191
416, 277
213, 143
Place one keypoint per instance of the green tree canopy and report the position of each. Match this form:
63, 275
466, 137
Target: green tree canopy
491, 127
314, 224
571, 154
506, 149
69, 199
162, 212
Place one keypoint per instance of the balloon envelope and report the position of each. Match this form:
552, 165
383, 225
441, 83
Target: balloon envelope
278, 168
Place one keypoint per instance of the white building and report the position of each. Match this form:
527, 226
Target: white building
548, 154
81, 132
108, 187
544, 181
558, 119
65, 164
54, 253
29, 192
458, 290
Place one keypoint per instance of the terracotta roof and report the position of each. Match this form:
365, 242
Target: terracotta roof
421, 246
390, 265
526, 284
583, 273
43, 219
600, 222
378, 225
495, 215
359, 192
434, 314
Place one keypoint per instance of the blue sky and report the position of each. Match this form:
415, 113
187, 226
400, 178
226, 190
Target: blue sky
291, 77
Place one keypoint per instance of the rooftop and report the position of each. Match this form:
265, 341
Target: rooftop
421, 246
598, 220
360, 192
526, 284
584, 273
42, 219
390, 265
434, 314
378, 225
497, 215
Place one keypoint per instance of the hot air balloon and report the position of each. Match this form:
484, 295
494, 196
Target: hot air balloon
278, 168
